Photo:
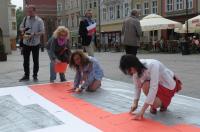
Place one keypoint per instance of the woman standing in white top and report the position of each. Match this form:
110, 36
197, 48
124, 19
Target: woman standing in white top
158, 83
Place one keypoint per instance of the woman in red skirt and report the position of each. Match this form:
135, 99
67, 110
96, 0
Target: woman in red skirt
158, 83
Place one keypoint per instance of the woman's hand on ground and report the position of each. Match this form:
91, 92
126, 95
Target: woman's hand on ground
133, 107
138, 116
78, 90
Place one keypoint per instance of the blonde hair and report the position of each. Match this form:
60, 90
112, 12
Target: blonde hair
59, 30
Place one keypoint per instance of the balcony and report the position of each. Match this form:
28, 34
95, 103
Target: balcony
179, 12
112, 2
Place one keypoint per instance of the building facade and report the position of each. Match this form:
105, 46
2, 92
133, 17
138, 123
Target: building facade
8, 27
47, 10
113, 13
176, 10
145, 8
70, 12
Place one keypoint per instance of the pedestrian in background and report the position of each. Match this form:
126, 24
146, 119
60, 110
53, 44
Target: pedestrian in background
32, 27
131, 32
58, 49
88, 35
89, 73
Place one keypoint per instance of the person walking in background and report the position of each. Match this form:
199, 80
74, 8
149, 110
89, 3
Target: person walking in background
89, 73
158, 83
32, 27
131, 32
87, 29
58, 49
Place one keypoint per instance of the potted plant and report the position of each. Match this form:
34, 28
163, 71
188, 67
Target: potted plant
3, 55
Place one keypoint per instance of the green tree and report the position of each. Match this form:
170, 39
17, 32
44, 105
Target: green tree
19, 17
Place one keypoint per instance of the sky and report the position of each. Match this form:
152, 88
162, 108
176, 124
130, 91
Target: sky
18, 3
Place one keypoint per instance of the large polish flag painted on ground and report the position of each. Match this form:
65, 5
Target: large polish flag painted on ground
55, 108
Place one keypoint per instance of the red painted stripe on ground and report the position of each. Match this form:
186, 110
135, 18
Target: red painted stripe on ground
60, 95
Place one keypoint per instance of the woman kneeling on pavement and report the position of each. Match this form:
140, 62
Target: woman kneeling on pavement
158, 83
58, 48
89, 74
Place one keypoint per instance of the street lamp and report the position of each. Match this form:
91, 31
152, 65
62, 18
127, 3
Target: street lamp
99, 13
187, 18
185, 45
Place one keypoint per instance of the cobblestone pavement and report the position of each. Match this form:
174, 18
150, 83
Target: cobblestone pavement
187, 67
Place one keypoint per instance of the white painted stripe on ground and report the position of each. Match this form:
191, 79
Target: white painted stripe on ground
25, 96
114, 81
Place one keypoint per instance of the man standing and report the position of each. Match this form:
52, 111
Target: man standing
87, 29
32, 28
131, 31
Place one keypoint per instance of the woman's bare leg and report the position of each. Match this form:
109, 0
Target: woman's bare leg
157, 102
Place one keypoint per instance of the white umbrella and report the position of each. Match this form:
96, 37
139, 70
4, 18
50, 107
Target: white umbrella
194, 22
156, 22
183, 29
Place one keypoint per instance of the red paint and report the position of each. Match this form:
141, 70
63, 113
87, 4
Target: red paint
61, 95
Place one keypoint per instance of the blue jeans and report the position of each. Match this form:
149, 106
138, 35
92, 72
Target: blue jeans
52, 71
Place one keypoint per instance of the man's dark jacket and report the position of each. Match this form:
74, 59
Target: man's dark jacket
86, 40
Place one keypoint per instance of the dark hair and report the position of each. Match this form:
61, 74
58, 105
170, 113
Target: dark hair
129, 61
84, 59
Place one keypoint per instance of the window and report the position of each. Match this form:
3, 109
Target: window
190, 4
77, 3
111, 13
95, 4
178, 5
118, 15
59, 7
90, 4
126, 9
146, 8
138, 6
86, 5
77, 20
72, 20
169, 6
104, 14
154, 7
59, 21
71, 4
67, 21
13, 12
14, 26
67, 4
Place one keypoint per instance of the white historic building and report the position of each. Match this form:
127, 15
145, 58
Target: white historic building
8, 28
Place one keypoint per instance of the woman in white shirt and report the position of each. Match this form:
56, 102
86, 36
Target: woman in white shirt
158, 83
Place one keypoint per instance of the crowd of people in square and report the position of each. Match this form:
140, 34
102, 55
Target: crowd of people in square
158, 82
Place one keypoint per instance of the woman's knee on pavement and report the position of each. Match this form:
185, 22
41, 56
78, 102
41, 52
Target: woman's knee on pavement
94, 86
